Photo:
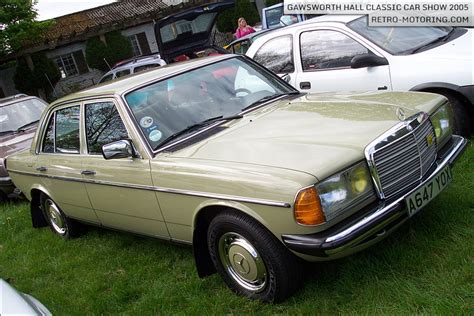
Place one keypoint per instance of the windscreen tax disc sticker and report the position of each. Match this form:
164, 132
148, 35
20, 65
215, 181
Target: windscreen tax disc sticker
155, 135
146, 121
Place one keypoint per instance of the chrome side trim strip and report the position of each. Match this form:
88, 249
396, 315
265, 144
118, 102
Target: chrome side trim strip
457, 148
163, 190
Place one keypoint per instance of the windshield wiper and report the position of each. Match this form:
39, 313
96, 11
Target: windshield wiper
198, 125
268, 98
443, 38
19, 129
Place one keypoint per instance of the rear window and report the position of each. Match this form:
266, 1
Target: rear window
175, 30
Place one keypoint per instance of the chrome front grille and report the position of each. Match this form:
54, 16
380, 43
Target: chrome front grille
399, 159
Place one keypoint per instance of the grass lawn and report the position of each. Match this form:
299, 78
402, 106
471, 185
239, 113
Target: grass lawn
425, 267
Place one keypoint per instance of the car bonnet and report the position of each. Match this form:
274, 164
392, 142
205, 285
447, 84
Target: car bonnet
315, 134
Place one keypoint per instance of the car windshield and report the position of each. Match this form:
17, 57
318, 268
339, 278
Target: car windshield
399, 40
222, 89
18, 115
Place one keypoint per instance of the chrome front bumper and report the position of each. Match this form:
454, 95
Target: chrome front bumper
371, 224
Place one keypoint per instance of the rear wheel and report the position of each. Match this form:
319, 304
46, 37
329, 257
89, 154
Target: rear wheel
59, 223
250, 259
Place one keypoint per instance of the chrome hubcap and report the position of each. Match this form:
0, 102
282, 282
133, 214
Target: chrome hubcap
55, 217
242, 262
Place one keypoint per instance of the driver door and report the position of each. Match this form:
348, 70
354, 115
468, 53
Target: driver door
324, 64
120, 190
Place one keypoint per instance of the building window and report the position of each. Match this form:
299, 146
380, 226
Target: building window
66, 65
135, 45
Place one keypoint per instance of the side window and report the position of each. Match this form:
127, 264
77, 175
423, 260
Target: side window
328, 50
277, 55
145, 67
103, 126
106, 78
122, 73
48, 142
67, 130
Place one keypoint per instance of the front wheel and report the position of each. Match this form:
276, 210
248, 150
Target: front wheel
250, 259
462, 119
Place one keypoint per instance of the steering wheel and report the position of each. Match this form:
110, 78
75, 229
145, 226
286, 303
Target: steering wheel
243, 90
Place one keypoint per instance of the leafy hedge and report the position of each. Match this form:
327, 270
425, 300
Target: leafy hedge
116, 48
28, 81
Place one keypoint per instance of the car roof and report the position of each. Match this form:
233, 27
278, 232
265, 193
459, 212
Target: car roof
139, 61
121, 85
323, 19
338, 18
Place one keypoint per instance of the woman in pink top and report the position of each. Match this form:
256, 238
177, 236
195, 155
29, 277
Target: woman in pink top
243, 28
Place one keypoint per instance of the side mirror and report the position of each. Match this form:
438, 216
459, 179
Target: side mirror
368, 60
119, 149
286, 78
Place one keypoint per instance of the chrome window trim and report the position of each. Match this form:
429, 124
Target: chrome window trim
163, 190
400, 131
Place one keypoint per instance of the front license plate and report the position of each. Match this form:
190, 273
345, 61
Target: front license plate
418, 199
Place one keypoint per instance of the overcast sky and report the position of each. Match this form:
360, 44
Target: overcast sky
48, 9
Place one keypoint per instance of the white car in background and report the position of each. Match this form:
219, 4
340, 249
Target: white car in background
132, 65
342, 53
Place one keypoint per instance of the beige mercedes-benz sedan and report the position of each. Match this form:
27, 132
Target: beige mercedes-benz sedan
222, 154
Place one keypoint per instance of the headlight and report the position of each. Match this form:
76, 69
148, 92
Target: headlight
345, 189
323, 202
442, 121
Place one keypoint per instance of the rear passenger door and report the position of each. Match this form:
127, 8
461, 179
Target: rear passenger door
324, 64
59, 163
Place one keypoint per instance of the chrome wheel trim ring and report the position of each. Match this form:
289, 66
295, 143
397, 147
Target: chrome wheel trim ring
57, 220
242, 262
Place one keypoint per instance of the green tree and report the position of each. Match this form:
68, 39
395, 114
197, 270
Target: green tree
28, 81
227, 20
96, 51
269, 3
18, 27
117, 48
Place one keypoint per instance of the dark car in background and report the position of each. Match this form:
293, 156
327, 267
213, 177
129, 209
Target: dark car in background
19, 115
190, 33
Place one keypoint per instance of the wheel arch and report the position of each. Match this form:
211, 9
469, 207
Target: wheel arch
202, 218
37, 216
437, 87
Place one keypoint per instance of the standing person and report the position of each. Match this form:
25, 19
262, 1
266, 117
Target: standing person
243, 29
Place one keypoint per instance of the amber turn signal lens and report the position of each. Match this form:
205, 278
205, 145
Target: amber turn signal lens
308, 210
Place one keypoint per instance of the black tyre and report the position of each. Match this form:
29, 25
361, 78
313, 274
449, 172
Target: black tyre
250, 259
462, 120
59, 223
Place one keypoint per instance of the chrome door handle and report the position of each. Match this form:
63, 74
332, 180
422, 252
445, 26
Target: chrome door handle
88, 172
42, 168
